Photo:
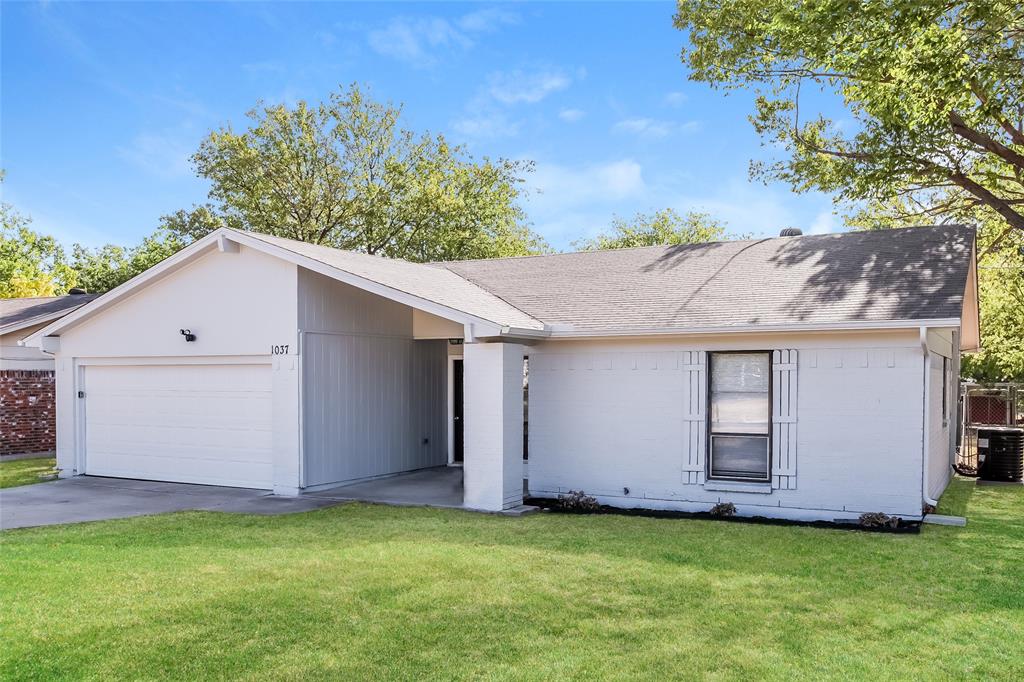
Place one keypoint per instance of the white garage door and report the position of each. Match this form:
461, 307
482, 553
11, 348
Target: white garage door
187, 423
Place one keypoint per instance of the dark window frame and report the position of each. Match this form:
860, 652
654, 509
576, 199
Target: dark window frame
709, 435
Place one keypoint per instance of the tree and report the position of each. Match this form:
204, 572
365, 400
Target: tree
343, 173
652, 229
935, 89
31, 264
101, 269
1000, 285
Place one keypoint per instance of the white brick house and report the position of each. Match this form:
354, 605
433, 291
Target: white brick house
797, 377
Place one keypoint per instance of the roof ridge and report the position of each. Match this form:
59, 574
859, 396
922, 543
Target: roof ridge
258, 235
582, 252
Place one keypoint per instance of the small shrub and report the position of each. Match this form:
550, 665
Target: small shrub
578, 501
879, 520
723, 510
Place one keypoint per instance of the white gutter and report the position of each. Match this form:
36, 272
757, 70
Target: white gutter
866, 325
925, 421
522, 332
954, 401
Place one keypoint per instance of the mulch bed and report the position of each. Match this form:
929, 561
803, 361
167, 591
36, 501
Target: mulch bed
548, 504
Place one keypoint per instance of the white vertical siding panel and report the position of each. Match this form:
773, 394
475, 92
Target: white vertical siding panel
371, 394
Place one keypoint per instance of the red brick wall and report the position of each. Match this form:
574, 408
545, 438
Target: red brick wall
27, 414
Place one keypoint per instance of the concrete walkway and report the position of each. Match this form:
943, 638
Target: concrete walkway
434, 487
91, 498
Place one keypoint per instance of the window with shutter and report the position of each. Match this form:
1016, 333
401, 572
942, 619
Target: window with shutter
740, 402
694, 366
784, 423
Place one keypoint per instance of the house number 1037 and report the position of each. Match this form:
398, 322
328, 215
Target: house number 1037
279, 350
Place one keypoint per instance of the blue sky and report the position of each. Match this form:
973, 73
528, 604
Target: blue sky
102, 104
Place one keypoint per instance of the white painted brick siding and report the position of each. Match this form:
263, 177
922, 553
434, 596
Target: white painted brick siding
493, 415
611, 415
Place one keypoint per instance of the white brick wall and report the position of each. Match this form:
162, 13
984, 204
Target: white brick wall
493, 416
610, 415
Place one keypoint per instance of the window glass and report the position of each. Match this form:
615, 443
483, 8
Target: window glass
739, 457
739, 393
740, 415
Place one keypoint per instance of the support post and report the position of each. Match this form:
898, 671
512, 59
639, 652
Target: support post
493, 415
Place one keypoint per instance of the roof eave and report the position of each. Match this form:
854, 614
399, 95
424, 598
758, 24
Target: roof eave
857, 325
492, 327
219, 239
193, 250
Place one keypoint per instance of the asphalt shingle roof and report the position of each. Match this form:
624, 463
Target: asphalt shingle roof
18, 313
433, 284
913, 273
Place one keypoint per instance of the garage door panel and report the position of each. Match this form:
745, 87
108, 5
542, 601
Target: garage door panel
185, 470
189, 423
221, 414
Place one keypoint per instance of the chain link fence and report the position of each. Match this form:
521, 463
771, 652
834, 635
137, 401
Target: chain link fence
984, 405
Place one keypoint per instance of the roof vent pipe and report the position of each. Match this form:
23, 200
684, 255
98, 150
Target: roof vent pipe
791, 232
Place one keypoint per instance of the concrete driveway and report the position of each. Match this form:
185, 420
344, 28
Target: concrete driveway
91, 498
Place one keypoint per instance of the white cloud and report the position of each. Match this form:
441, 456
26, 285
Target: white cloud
824, 223
162, 154
574, 185
419, 41
571, 115
511, 87
413, 40
486, 114
487, 20
574, 201
326, 38
675, 99
653, 128
486, 124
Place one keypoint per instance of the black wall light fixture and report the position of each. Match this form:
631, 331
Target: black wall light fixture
187, 333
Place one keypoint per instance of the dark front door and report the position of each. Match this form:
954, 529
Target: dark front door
457, 430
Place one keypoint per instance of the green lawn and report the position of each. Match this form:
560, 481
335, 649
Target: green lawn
368, 592
25, 471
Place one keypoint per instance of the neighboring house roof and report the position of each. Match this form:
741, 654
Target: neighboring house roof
21, 313
907, 277
909, 274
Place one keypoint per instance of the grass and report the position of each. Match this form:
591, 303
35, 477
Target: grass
373, 592
25, 471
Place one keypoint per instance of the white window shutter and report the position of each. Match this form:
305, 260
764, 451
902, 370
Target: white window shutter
784, 402
695, 424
